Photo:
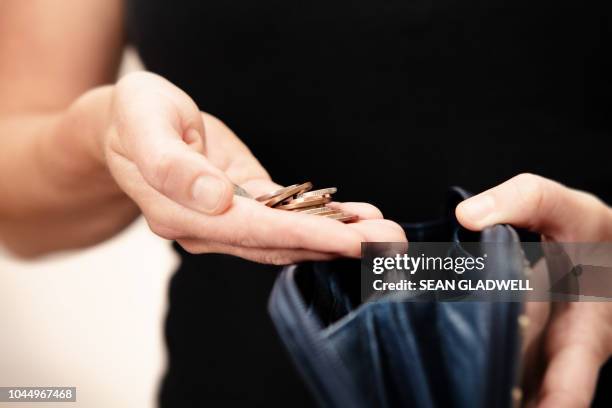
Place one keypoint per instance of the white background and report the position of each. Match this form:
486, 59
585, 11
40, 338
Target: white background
91, 319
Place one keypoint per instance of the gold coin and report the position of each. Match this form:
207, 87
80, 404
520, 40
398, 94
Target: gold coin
312, 209
320, 210
275, 193
321, 192
330, 211
289, 192
303, 202
344, 217
292, 199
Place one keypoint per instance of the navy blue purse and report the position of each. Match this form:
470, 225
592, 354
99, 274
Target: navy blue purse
390, 353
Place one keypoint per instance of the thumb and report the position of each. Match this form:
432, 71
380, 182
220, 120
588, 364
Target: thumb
160, 129
187, 177
536, 203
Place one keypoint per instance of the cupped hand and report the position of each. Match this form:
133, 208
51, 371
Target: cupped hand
179, 166
577, 338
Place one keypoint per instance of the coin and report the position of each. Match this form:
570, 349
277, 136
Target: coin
321, 192
310, 210
275, 193
329, 211
323, 210
292, 199
239, 191
288, 192
344, 217
313, 210
304, 202
300, 198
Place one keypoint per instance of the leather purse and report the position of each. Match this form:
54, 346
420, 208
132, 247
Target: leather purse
390, 353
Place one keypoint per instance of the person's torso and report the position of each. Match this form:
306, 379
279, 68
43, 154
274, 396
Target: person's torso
392, 102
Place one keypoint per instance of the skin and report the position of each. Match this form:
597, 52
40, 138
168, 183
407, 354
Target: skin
81, 160
574, 339
83, 156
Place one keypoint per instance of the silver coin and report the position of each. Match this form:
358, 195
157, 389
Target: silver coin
239, 191
320, 192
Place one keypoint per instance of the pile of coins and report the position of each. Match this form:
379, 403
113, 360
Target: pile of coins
301, 198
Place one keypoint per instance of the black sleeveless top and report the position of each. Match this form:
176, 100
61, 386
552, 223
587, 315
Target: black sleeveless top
391, 101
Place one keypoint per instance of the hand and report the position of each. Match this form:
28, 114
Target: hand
178, 166
578, 338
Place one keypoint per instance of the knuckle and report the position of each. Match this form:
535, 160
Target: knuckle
248, 233
531, 190
528, 179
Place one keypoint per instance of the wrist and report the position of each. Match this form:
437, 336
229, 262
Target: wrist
74, 150
69, 168
87, 123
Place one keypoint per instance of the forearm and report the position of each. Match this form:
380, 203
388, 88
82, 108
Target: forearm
56, 190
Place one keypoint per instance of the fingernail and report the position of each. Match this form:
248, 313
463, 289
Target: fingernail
478, 207
208, 191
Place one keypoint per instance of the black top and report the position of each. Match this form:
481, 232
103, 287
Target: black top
391, 101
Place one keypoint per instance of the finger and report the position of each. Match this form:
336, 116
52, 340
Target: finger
570, 378
375, 230
264, 227
162, 133
187, 178
379, 231
532, 202
247, 223
194, 140
365, 211
260, 255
